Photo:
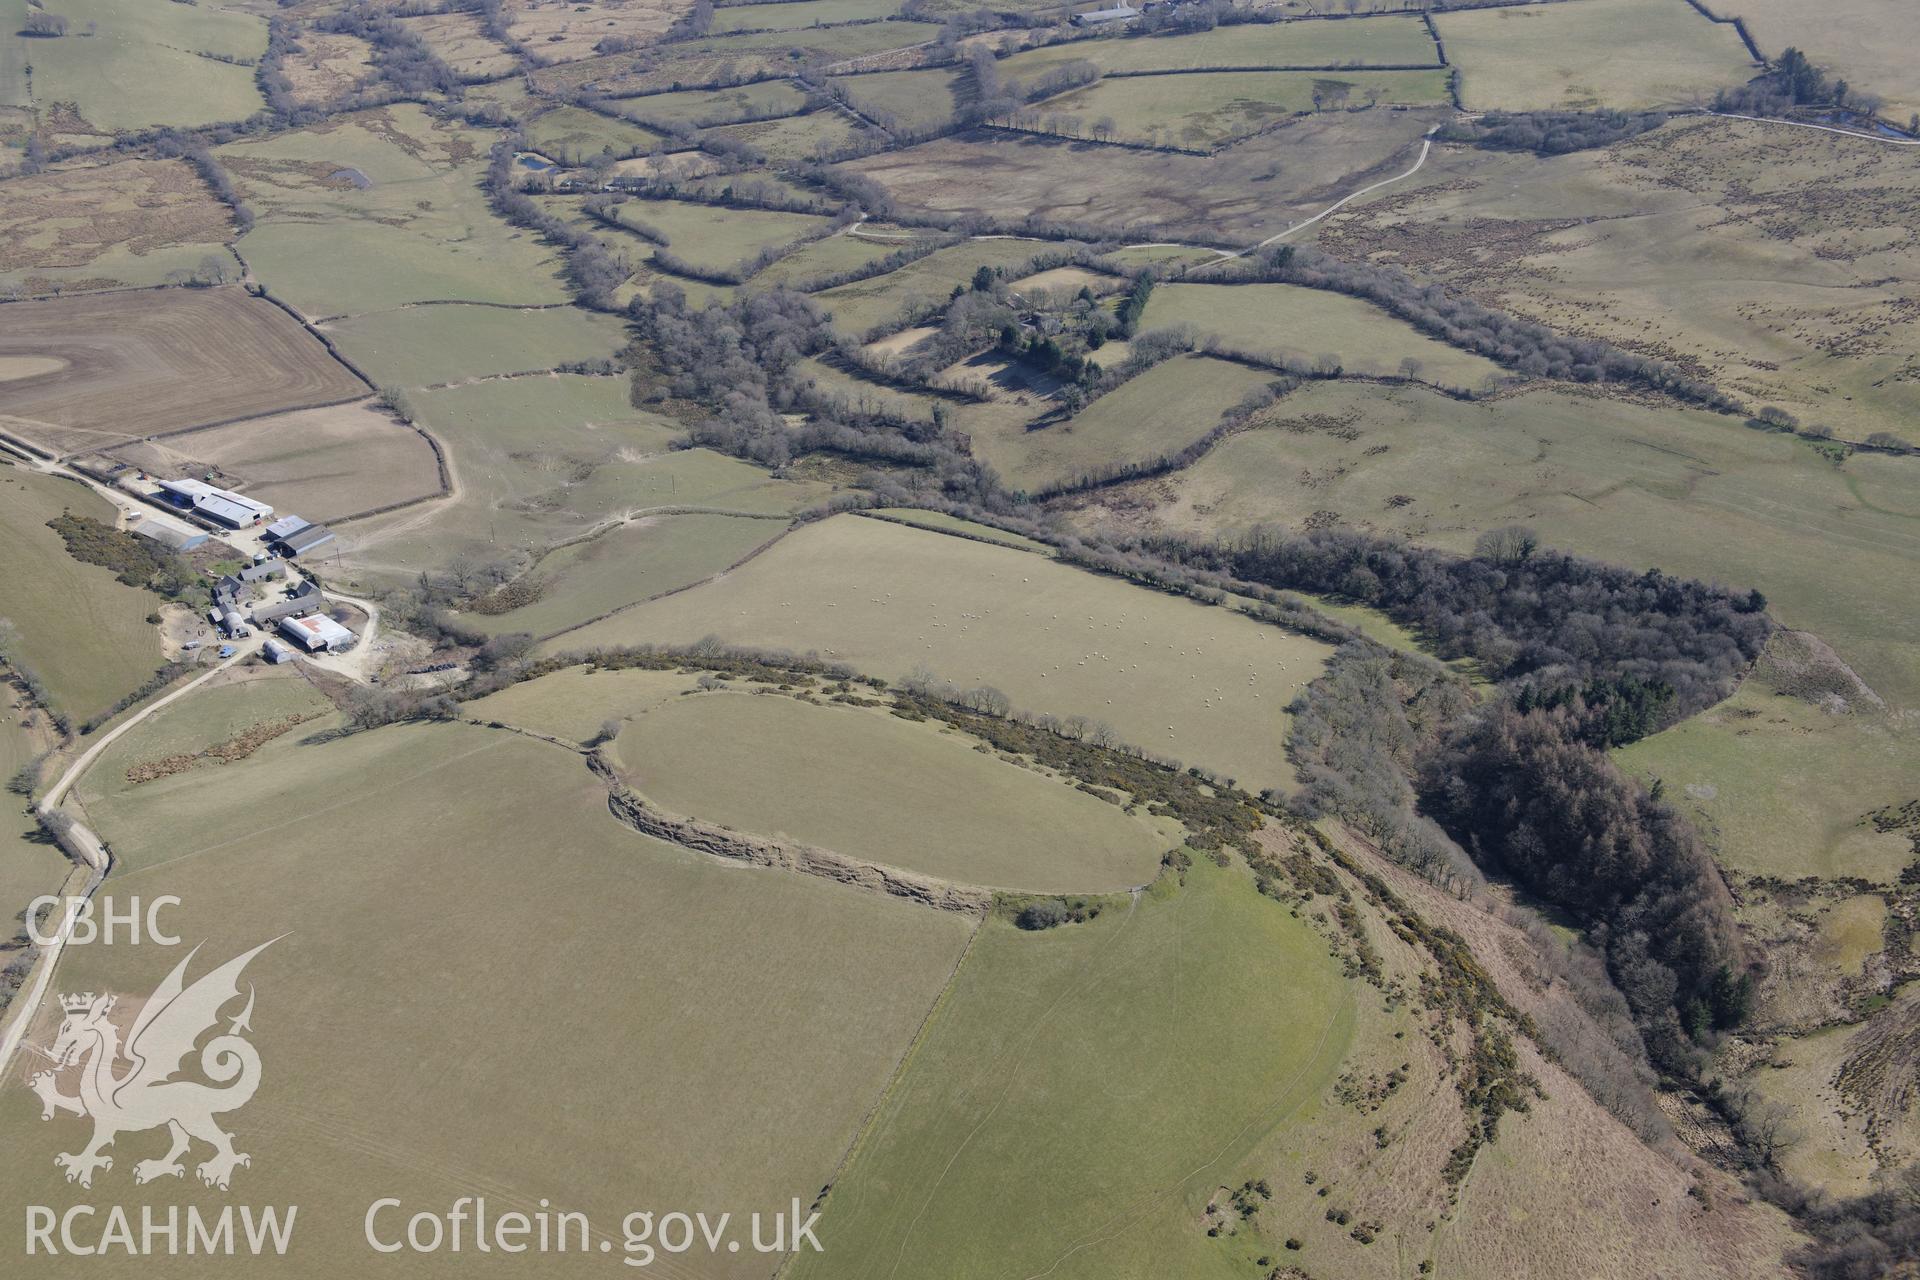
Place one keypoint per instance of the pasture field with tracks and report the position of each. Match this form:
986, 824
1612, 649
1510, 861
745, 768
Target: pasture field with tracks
104, 226
419, 230
715, 238
1693, 493
574, 135
459, 40
1204, 685
133, 364
1203, 111
624, 566
131, 65
539, 461
1784, 786
1211, 1018
792, 139
745, 992
1244, 194
1152, 414
698, 108
435, 346
1394, 42
1306, 324
798, 13
923, 99
1587, 55
1769, 258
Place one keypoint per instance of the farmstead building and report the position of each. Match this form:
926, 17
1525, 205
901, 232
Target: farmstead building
316, 633
222, 506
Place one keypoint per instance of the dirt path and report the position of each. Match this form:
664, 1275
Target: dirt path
1823, 128
95, 854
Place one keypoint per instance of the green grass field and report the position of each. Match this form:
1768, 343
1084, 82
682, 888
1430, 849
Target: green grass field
822, 258
1304, 324
924, 99
945, 523
420, 232
792, 139
429, 346
1857, 39
867, 784
1080, 1093
800, 13
74, 625
574, 135
133, 64
859, 306
29, 865
1589, 54
709, 236
765, 1010
1202, 111
542, 460
1207, 686
1782, 788
218, 712
1395, 42
697, 108
1161, 411
1692, 493
626, 565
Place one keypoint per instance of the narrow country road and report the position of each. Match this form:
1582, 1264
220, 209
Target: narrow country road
27, 1003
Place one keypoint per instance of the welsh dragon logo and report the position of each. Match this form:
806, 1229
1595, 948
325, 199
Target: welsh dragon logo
145, 1095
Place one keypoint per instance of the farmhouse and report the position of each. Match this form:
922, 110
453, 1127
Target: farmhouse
317, 633
303, 599
222, 506
1098, 17
264, 570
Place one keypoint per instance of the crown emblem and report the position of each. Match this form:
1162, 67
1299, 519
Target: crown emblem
77, 1004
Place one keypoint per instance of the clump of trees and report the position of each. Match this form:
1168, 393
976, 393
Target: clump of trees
44, 24
592, 269
401, 57
1051, 913
1544, 617
1529, 799
1552, 133
1791, 80
135, 561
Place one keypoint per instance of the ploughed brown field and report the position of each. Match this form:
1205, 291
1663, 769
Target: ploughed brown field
145, 362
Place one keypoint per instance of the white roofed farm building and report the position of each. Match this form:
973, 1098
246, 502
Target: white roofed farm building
317, 633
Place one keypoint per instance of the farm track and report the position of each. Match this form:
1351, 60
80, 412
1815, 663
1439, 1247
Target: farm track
98, 858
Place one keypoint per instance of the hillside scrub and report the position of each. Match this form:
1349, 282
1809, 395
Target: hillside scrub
1552, 133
